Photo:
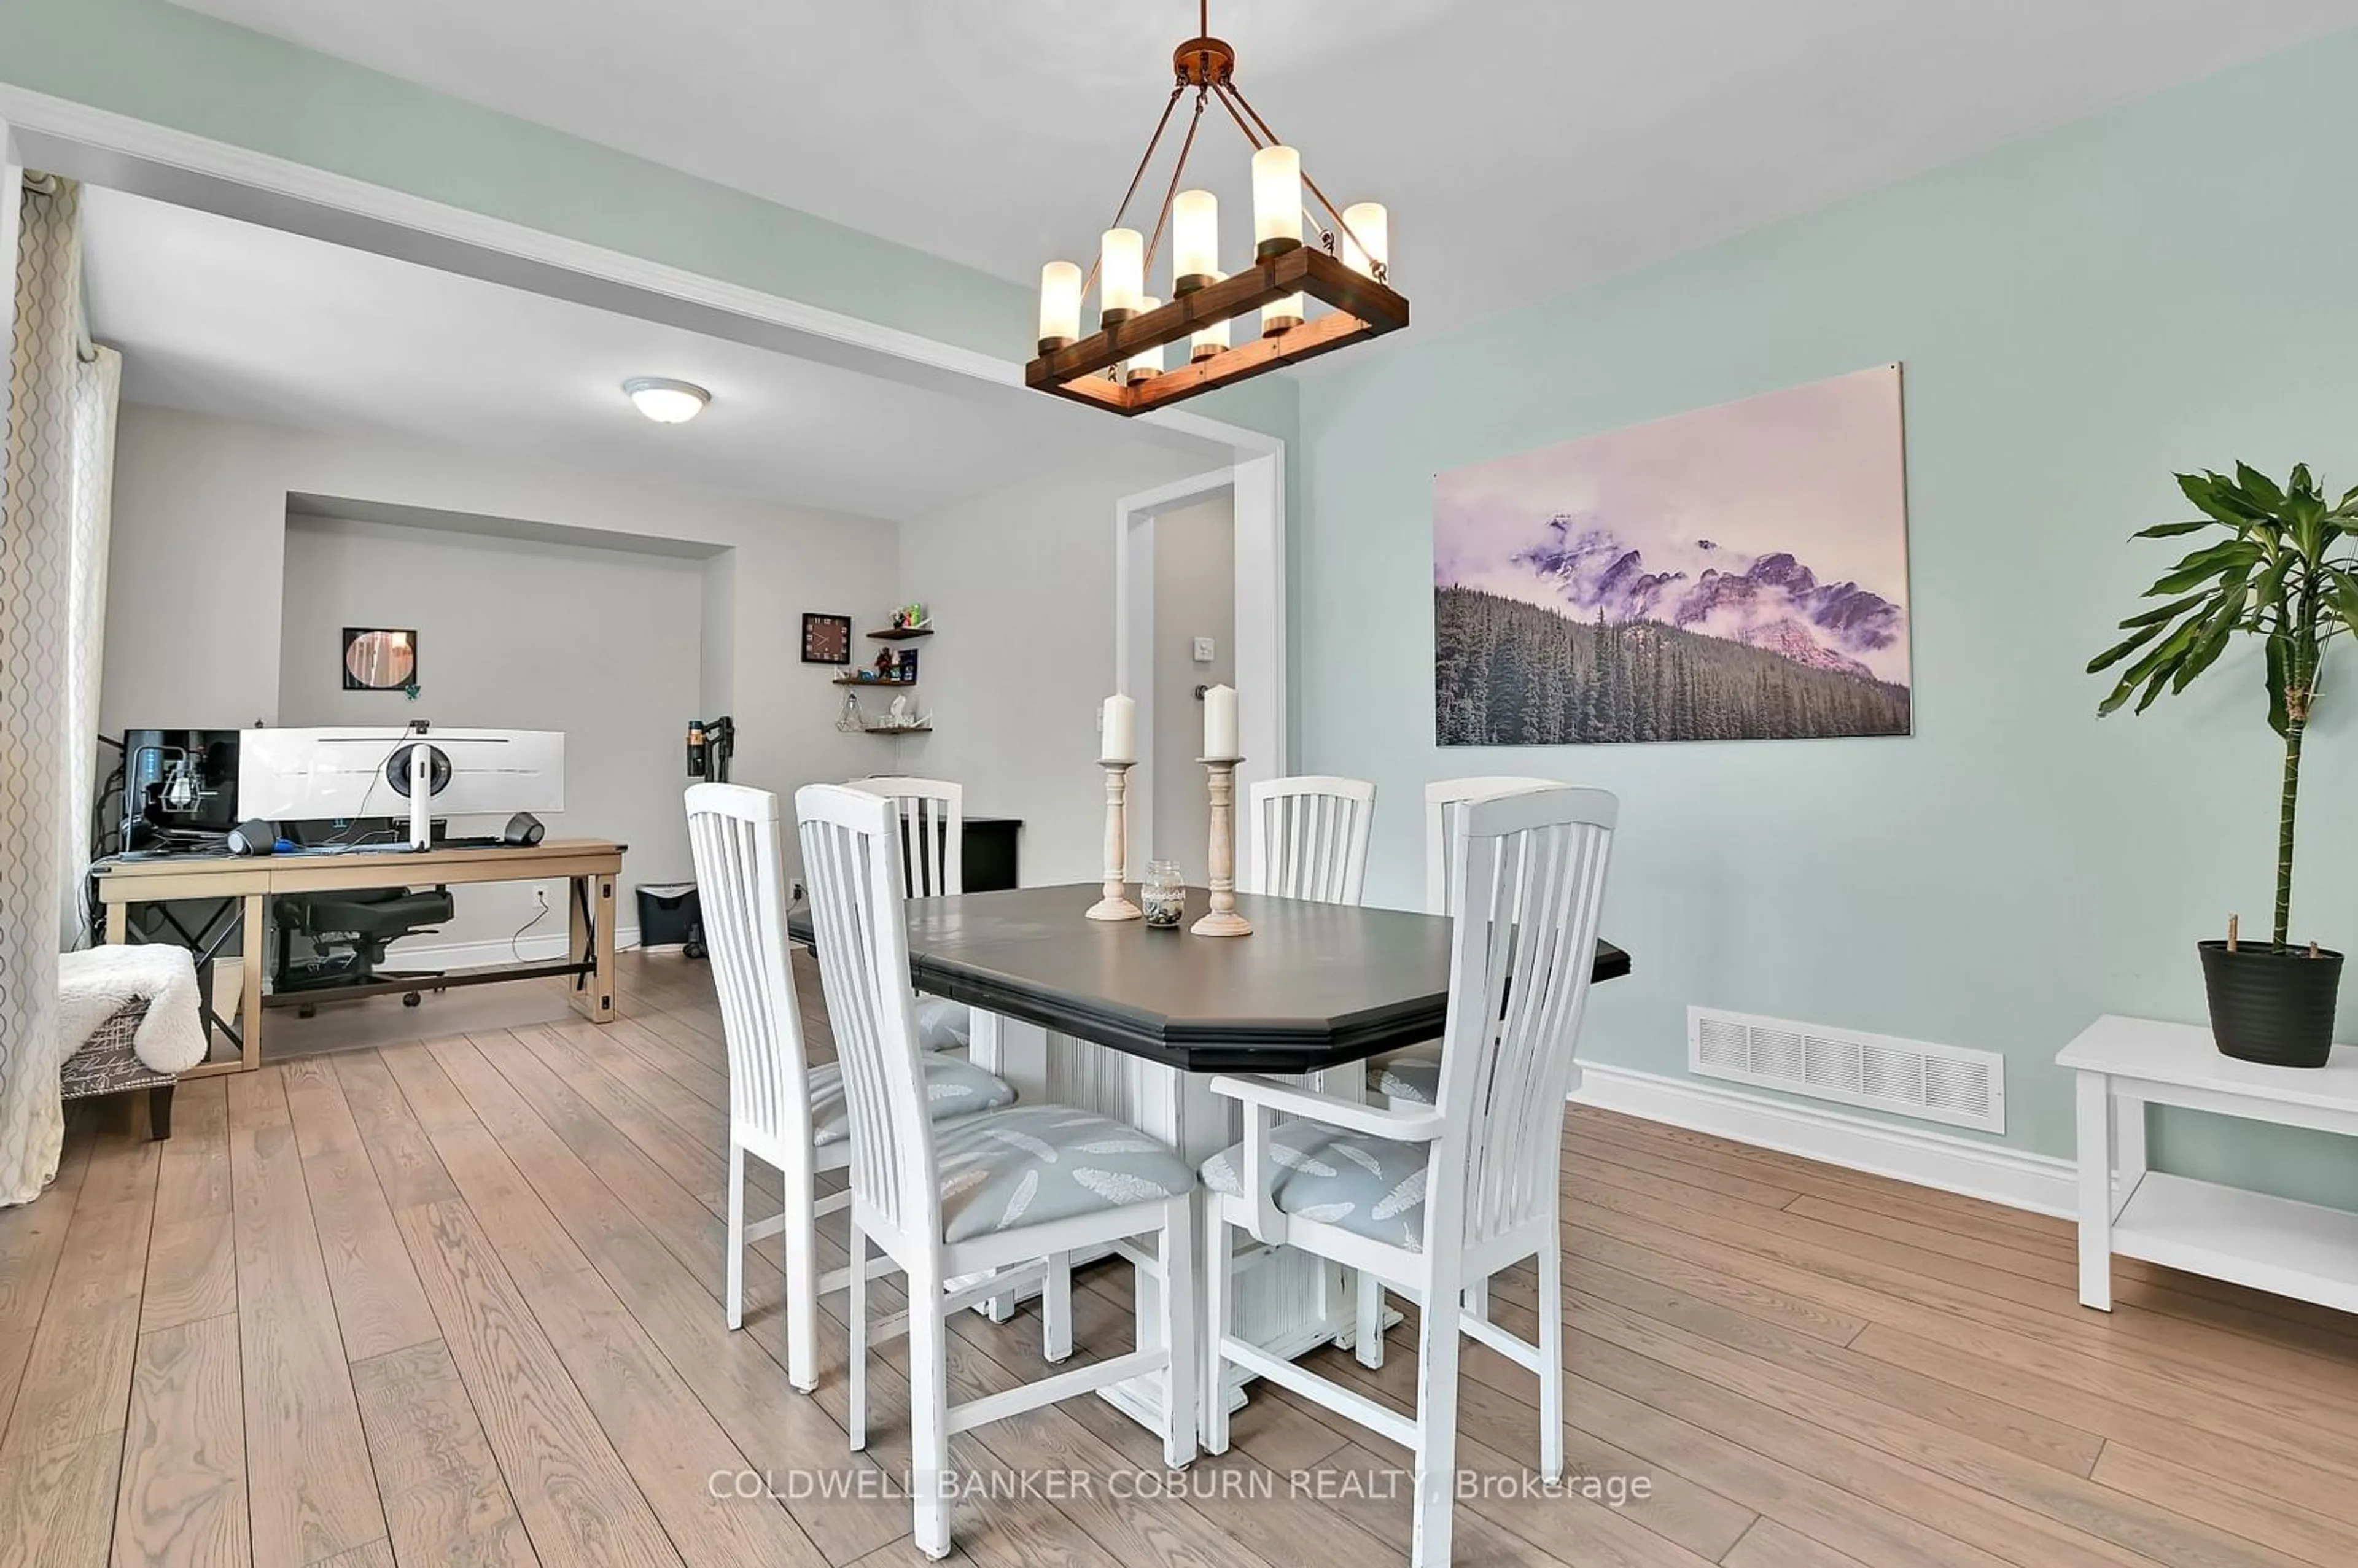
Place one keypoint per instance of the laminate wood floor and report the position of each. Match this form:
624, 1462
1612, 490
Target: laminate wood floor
453, 1299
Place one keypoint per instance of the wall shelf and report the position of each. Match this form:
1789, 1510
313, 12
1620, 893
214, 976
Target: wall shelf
898, 729
874, 685
900, 633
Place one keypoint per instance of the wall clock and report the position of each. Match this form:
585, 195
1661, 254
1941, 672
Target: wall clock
827, 639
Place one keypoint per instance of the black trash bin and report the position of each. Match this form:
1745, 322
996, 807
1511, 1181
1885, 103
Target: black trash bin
668, 915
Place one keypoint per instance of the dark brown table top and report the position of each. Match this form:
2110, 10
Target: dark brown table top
1315, 985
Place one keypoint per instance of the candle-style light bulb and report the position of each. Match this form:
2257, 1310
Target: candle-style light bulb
1210, 339
1147, 363
1277, 200
1366, 238
1195, 239
1121, 275
1060, 306
1281, 316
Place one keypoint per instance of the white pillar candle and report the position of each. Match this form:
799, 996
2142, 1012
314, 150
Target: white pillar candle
1060, 305
1281, 315
1121, 275
1277, 200
1195, 239
1366, 237
1120, 742
1220, 721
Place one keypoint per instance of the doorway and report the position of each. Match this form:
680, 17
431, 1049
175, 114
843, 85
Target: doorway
1194, 647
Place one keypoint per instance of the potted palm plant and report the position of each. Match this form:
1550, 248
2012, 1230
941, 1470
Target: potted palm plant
2286, 571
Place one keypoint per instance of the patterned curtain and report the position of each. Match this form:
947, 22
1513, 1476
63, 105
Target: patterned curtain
53, 506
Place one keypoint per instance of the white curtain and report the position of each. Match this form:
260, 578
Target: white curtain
97, 388
53, 528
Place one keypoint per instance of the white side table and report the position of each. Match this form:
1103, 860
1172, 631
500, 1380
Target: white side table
2269, 1243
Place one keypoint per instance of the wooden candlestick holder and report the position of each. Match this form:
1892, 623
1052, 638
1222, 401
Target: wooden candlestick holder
1115, 904
1220, 775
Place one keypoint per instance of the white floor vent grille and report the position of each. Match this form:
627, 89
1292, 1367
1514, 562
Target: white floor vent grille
1932, 1083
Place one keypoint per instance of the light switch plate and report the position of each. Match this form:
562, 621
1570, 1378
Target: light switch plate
1203, 650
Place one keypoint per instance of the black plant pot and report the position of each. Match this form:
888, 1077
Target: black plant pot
2271, 1007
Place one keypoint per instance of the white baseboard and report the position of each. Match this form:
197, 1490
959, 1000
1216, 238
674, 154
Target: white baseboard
2040, 1183
537, 948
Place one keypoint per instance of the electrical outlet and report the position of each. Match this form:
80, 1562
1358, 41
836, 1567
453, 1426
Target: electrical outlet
1203, 650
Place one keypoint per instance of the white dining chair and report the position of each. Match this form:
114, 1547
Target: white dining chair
1309, 837
1430, 1199
1408, 1078
782, 1110
1001, 1194
932, 814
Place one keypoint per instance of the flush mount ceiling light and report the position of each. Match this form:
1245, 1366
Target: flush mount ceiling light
1123, 367
667, 402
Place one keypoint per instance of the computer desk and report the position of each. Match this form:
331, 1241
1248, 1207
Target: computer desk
592, 865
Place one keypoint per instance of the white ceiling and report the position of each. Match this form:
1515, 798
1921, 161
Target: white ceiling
227, 317
1524, 146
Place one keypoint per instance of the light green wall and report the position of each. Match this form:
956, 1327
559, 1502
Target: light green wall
178, 67
2079, 314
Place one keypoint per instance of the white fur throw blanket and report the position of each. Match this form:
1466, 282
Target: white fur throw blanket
96, 982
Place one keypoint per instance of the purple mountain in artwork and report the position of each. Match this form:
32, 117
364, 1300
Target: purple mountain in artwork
1772, 602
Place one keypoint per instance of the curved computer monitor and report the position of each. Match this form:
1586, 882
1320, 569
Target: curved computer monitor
346, 772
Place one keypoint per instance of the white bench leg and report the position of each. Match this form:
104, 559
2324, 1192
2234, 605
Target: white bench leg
855, 1324
1056, 1309
1184, 1378
2095, 1119
735, 1299
1367, 1342
1436, 1433
929, 1416
800, 1245
1219, 1268
1551, 1347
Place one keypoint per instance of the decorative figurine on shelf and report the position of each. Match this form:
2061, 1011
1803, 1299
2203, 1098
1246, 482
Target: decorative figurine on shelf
906, 668
885, 663
900, 621
849, 720
901, 718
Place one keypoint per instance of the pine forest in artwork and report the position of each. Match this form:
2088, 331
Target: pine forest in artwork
1739, 573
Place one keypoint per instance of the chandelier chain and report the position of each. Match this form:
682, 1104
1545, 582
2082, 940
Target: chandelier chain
1230, 90
1151, 143
1171, 192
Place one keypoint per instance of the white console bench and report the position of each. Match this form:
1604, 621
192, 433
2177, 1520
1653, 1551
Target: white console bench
2269, 1243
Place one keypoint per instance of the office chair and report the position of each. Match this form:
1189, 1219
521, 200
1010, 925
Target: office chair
345, 936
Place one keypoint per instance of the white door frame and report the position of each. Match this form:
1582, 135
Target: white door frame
1256, 486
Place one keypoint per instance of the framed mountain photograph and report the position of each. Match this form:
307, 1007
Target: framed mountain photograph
1738, 573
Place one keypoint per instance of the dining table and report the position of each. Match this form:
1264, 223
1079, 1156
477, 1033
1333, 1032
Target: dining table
1132, 1022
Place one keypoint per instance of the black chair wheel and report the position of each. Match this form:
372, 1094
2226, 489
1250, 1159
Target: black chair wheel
411, 998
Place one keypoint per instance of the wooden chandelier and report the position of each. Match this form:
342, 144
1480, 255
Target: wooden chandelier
1123, 367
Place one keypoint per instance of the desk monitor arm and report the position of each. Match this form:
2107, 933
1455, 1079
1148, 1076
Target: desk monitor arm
417, 769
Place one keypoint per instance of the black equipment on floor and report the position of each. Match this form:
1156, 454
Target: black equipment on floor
332, 939
711, 743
